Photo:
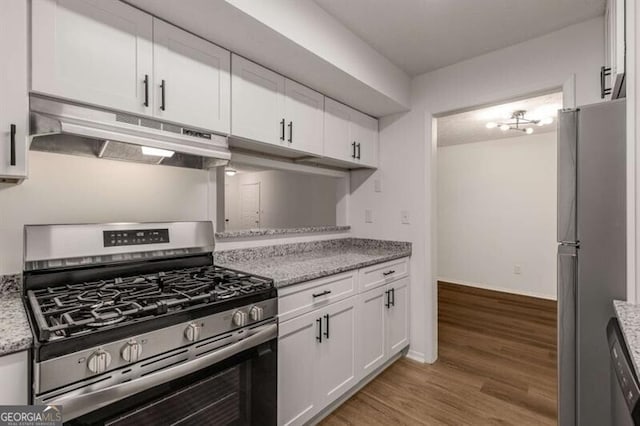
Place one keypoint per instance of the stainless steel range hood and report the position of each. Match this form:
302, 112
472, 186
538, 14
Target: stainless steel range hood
67, 128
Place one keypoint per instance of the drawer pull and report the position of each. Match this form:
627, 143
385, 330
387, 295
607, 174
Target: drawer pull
324, 293
388, 272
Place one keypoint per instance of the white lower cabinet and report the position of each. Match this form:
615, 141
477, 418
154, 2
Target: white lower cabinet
14, 370
384, 324
325, 352
316, 361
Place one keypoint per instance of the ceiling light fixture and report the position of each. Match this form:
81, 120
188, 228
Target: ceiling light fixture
518, 121
230, 171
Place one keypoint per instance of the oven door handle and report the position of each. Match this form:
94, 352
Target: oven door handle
78, 403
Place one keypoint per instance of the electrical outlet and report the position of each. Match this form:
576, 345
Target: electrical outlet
517, 269
368, 216
404, 217
377, 185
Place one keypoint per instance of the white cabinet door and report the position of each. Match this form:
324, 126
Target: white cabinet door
304, 114
195, 78
338, 142
257, 104
398, 316
336, 366
371, 338
297, 354
14, 101
14, 371
92, 51
365, 131
349, 135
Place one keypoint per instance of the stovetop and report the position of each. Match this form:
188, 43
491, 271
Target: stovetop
78, 309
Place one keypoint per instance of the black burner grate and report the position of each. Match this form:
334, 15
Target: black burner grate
73, 309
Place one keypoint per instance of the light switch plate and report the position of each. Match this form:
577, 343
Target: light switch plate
377, 185
368, 216
404, 217
517, 269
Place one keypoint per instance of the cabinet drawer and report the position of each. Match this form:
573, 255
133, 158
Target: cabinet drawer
302, 298
382, 273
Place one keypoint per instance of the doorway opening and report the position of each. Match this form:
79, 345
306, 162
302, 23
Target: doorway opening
496, 250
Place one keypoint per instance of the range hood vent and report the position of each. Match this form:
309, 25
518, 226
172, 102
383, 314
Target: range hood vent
67, 128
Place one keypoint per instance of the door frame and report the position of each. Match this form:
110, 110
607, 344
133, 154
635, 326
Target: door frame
568, 88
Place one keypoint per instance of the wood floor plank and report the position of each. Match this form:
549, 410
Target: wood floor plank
496, 366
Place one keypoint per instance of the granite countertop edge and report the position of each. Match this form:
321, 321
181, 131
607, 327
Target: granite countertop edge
339, 269
629, 318
252, 233
15, 331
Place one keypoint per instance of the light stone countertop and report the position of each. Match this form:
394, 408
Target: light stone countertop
15, 332
629, 318
266, 232
289, 264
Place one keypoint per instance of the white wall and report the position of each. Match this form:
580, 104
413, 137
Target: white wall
497, 209
68, 189
287, 199
408, 156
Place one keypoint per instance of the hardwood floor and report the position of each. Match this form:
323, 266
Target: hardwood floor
496, 366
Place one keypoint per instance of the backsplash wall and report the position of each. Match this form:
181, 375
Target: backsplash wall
70, 189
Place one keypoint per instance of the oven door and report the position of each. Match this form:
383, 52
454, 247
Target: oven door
232, 385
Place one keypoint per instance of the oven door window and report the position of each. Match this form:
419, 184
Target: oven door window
238, 391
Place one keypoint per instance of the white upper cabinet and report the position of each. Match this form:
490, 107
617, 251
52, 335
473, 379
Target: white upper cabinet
257, 104
268, 108
349, 135
14, 102
93, 51
338, 143
615, 50
304, 114
192, 83
365, 130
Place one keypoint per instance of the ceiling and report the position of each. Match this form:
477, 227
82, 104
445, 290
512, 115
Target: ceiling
470, 126
423, 35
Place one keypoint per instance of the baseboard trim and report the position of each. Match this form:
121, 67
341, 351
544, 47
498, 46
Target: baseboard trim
498, 288
355, 389
416, 356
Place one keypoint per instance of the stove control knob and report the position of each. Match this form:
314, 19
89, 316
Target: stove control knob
99, 361
256, 313
192, 332
132, 351
240, 318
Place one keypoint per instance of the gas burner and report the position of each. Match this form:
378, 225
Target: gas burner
76, 309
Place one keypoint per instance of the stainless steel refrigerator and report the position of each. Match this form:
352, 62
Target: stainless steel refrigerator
591, 255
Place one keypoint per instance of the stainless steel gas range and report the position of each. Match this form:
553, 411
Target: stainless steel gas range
135, 325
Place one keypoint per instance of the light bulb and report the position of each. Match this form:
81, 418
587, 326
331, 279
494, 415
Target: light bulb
156, 152
491, 125
529, 130
504, 127
230, 172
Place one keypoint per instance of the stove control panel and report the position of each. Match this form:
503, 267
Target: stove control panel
132, 237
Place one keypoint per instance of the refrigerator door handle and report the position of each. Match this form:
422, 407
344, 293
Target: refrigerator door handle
567, 296
567, 175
